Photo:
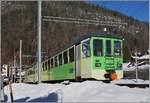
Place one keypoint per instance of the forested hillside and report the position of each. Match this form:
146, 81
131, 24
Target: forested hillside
19, 21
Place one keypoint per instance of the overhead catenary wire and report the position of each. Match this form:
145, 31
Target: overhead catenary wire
106, 22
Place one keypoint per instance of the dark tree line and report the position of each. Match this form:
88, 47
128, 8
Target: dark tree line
18, 23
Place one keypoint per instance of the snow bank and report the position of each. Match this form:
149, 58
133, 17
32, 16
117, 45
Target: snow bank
31, 92
94, 91
130, 81
88, 91
126, 67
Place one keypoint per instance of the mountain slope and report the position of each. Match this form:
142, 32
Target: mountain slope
21, 23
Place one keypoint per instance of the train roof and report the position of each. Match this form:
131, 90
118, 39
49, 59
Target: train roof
98, 34
85, 36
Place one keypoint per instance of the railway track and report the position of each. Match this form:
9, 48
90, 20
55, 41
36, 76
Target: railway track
135, 85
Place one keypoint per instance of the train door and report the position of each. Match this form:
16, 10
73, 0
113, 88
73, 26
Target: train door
78, 62
86, 58
109, 58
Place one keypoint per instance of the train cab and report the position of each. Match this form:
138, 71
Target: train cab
102, 57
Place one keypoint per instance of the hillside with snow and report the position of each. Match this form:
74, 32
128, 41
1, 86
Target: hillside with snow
87, 91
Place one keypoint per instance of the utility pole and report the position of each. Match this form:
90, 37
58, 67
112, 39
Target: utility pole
149, 47
14, 69
1, 97
136, 62
20, 60
39, 40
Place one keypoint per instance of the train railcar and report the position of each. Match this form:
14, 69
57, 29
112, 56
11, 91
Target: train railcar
95, 56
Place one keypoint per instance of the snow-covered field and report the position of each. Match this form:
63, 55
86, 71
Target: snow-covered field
87, 91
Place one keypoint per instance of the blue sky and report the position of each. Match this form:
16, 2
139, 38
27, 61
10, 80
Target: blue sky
136, 9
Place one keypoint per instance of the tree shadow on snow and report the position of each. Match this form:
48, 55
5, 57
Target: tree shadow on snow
52, 97
22, 99
5, 98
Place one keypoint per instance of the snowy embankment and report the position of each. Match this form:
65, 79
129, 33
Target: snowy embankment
88, 91
130, 81
142, 63
127, 67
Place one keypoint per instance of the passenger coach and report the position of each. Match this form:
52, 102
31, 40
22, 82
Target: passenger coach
95, 56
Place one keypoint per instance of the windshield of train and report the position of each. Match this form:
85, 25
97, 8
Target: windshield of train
117, 48
86, 48
98, 47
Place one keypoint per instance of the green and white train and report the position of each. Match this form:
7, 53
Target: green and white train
95, 56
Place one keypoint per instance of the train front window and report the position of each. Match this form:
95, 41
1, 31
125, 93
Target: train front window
108, 48
98, 47
117, 48
86, 48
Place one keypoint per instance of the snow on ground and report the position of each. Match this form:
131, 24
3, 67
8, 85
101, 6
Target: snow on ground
126, 67
33, 93
130, 81
87, 91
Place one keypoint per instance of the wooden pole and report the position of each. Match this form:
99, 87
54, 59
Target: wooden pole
11, 93
20, 60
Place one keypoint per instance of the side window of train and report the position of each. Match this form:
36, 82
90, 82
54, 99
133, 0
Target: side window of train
71, 54
43, 66
52, 63
65, 56
56, 61
108, 48
86, 48
48, 63
98, 47
60, 59
117, 48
